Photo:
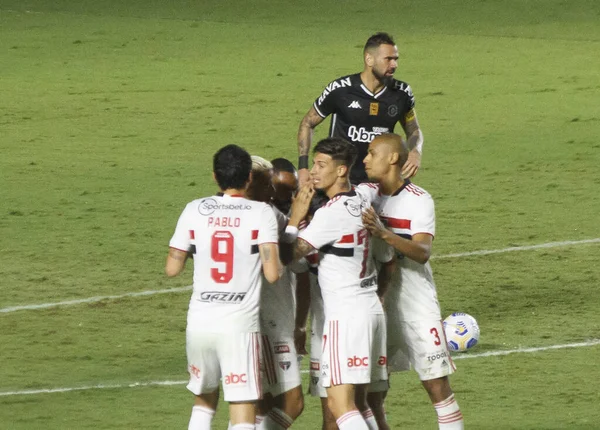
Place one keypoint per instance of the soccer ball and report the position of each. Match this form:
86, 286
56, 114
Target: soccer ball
462, 331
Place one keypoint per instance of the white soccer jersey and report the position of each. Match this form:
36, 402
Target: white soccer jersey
223, 233
347, 274
277, 301
412, 295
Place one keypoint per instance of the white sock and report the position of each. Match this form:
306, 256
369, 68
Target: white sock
243, 426
259, 422
352, 420
201, 418
370, 419
276, 420
449, 415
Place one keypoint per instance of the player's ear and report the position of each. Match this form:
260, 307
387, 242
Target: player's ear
394, 157
342, 170
369, 60
249, 180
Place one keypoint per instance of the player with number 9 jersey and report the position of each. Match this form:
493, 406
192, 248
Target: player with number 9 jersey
223, 234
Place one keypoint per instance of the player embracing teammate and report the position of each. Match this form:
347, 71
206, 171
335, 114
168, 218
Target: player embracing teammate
354, 332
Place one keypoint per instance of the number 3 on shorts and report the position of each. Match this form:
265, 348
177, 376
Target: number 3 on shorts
436, 335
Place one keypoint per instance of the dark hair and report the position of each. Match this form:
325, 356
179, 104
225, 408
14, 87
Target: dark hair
338, 149
378, 39
232, 166
283, 165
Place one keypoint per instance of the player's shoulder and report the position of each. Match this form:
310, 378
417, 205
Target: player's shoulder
401, 87
417, 191
349, 202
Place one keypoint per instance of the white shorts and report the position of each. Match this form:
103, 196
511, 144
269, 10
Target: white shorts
280, 363
421, 345
232, 357
354, 350
315, 388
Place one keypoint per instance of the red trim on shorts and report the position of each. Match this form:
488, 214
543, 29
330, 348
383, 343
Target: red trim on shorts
254, 234
192, 235
256, 360
269, 363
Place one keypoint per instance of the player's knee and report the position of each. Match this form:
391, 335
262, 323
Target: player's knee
438, 389
291, 402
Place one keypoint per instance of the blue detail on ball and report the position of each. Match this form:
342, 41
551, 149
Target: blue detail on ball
471, 343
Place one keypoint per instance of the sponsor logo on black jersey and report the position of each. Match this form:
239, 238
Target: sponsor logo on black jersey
340, 83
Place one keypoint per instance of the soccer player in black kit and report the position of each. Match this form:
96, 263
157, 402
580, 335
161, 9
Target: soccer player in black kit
363, 106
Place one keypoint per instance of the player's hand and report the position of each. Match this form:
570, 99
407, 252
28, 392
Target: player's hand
301, 204
300, 340
411, 167
303, 177
373, 223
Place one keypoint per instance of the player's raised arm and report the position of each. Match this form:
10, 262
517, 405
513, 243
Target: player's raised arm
414, 137
305, 135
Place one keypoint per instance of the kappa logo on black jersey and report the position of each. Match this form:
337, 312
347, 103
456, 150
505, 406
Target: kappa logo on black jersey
355, 105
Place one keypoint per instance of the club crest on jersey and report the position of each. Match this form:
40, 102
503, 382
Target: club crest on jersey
285, 365
373, 109
393, 110
354, 208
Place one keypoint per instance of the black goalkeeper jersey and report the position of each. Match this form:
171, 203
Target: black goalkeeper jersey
358, 115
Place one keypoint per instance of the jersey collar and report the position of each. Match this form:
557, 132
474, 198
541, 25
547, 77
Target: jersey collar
404, 185
350, 193
230, 195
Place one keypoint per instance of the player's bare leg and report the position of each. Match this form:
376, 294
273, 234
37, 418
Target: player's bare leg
442, 397
328, 418
242, 415
341, 402
263, 406
291, 402
203, 410
376, 402
360, 399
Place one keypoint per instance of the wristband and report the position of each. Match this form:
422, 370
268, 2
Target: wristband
290, 235
303, 162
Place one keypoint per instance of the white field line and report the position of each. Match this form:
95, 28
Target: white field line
592, 342
188, 288
518, 248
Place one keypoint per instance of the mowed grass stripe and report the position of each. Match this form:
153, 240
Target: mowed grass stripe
592, 342
96, 299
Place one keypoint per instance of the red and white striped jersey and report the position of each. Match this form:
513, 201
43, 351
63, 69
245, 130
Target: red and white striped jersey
347, 274
409, 211
223, 233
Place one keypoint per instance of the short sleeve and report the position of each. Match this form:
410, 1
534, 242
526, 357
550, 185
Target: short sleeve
322, 230
423, 219
267, 231
181, 239
410, 103
325, 104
